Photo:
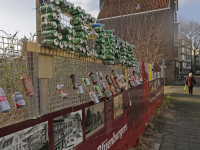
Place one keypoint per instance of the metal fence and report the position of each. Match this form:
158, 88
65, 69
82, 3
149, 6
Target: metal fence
14, 63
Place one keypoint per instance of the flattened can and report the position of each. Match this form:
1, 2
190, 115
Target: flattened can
99, 75
80, 90
61, 90
98, 91
28, 87
18, 99
107, 93
103, 86
93, 78
86, 81
94, 97
4, 105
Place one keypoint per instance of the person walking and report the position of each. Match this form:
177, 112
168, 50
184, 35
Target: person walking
190, 82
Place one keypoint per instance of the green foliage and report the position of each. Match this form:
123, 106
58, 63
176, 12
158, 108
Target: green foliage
168, 98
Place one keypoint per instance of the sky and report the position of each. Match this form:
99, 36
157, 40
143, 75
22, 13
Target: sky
18, 15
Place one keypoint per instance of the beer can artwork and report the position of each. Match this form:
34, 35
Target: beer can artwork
99, 75
107, 93
119, 85
131, 83
113, 81
98, 91
80, 90
94, 97
93, 78
18, 99
4, 105
109, 80
112, 89
61, 90
86, 81
28, 87
103, 86
74, 82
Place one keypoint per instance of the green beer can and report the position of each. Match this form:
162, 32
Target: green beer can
110, 57
47, 8
67, 37
60, 36
85, 37
78, 40
65, 44
49, 25
79, 34
55, 2
49, 34
78, 28
112, 31
98, 29
76, 21
76, 10
50, 43
60, 45
66, 30
109, 62
49, 17
78, 48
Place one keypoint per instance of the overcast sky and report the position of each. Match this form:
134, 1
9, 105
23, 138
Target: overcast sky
18, 14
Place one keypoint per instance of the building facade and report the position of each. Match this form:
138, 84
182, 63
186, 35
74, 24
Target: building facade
185, 57
150, 25
197, 61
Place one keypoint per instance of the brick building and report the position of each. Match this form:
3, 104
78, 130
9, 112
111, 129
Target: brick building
150, 25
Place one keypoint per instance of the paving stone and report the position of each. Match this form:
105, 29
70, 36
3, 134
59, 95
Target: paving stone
195, 140
195, 145
182, 147
166, 148
186, 143
183, 139
194, 148
171, 145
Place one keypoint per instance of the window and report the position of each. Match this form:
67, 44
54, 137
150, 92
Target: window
176, 42
175, 16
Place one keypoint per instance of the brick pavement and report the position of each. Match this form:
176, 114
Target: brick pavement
182, 131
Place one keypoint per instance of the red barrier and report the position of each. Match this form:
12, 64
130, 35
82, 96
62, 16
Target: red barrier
114, 124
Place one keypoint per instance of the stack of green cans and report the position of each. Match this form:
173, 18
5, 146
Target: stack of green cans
99, 42
50, 22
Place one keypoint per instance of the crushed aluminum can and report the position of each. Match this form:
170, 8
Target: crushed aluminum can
28, 87
74, 82
103, 86
18, 99
98, 91
94, 97
80, 90
4, 105
93, 78
107, 93
86, 81
99, 75
61, 90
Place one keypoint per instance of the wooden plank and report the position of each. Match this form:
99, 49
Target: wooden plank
125, 72
44, 106
42, 66
49, 67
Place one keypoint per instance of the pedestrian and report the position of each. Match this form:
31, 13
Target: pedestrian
190, 82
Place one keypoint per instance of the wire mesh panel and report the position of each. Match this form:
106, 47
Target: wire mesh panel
63, 68
13, 65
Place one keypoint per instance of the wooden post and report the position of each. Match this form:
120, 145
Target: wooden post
44, 107
125, 72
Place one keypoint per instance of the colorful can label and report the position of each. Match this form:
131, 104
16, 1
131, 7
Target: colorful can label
107, 93
4, 105
86, 81
18, 99
61, 90
99, 75
131, 83
109, 80
112, 89
93, 78
28, 87
102, 85
94, 97
114, 74
98, 91
74, 82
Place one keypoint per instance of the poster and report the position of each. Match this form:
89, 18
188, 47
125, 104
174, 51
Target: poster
35, 138
118, 106
94, 119
68, 131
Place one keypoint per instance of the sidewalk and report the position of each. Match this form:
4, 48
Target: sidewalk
181, 131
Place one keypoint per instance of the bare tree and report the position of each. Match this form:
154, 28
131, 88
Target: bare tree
190, 30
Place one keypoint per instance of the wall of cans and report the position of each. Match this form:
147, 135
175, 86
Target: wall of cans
69, 33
